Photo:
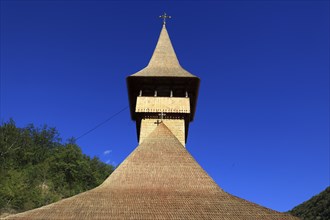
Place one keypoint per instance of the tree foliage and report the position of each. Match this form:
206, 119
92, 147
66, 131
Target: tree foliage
316, 208
36, 168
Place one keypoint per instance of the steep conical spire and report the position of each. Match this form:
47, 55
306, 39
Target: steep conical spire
164, 62
164, 55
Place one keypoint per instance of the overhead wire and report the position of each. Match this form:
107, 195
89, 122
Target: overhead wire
102, 123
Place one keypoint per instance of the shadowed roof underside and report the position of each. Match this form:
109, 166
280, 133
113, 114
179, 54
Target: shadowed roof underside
158, 180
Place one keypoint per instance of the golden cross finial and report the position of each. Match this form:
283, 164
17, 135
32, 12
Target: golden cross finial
164, 17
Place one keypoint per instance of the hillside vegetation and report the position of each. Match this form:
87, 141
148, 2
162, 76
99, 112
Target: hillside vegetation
316, 208
36, 168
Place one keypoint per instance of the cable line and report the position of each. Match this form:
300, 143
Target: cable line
102, 123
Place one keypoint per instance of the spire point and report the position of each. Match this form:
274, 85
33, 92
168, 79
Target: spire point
164, 17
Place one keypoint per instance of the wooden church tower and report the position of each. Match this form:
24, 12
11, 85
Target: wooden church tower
163, 92
159, 179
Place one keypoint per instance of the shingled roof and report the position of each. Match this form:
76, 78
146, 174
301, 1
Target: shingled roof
158, 180
163, 62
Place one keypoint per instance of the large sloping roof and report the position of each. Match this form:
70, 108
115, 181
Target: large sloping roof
158, 180
163, 62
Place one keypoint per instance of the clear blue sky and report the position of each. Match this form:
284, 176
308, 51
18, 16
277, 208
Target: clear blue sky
261, 128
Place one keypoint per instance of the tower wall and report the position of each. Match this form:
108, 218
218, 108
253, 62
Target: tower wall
172, 111
148, 104
176, 126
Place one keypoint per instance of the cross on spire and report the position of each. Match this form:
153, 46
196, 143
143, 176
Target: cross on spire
158, 122
161, 116
164, 17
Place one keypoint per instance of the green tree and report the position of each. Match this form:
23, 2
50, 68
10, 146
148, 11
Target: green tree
36, 168
316, 208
